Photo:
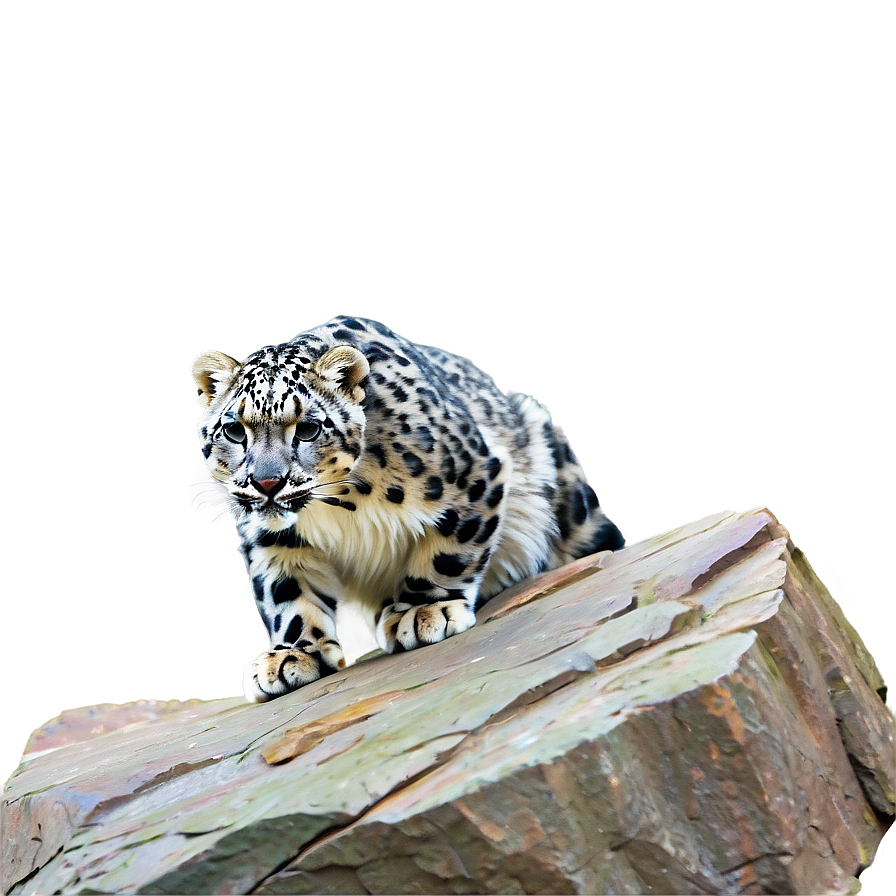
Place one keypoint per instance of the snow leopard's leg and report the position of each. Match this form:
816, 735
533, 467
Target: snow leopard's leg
440, 590
295, 594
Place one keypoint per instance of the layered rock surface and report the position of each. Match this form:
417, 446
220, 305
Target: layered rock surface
689, 714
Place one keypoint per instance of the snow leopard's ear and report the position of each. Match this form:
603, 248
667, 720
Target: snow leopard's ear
212, 372
343, 367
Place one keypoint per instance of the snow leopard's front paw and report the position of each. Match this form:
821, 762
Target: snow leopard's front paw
287, 668
403, 626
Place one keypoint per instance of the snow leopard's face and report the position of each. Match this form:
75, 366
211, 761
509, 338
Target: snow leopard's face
281, 429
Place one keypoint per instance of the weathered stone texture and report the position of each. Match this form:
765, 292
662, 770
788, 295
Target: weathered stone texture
690, 714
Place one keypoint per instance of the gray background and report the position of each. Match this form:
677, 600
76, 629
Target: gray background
673, 224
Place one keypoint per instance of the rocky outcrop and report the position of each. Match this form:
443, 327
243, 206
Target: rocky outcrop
690, 714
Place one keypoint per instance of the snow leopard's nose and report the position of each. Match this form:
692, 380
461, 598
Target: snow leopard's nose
268, 486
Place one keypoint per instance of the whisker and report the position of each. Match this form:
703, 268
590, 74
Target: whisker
335, 482
209, 491
211, 504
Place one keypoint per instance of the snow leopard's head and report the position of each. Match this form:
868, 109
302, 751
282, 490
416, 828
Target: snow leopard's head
281, 428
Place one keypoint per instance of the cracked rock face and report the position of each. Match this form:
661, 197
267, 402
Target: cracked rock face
690, 714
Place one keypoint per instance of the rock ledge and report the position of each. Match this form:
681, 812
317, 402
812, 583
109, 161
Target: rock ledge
689, 714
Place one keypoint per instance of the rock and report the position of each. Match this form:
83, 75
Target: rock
689, 714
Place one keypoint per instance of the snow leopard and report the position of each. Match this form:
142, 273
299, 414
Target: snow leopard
362, 467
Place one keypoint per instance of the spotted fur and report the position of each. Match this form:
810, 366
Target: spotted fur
363, 467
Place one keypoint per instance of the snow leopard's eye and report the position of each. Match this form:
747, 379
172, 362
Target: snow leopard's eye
234, 432
307, 432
